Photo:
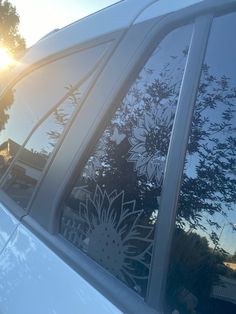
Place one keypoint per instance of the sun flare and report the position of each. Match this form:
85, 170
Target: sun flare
5, 58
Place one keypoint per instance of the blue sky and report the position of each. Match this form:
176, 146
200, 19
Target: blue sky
40, 17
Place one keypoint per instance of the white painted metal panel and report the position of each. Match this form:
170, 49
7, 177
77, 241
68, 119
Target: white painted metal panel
8, 224
116, 17
35, 280
164, 7
119, 16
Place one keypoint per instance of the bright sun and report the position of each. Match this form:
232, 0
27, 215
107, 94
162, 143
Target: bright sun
5, 58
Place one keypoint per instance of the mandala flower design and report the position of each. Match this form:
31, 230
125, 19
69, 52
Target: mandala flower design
111, 231
149, 144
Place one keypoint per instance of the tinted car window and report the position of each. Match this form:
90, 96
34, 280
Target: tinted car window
22, 107
31, 160
111, 211
202, 274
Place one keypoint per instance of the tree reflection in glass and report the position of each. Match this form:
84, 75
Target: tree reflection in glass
111, 211
31, 161
202, 274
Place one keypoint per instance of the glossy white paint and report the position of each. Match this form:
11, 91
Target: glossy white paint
34, 280
113, 18
164, 7
8, 224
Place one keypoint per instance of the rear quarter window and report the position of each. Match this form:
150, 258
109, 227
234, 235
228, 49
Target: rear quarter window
24, 105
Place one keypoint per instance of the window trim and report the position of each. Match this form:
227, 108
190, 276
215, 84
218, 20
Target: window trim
17, 75
175, 160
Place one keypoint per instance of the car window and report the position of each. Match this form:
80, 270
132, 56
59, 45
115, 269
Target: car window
25, 104
28, 166
112, 208
202, 273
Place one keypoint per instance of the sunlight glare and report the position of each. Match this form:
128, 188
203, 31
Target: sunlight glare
5, 58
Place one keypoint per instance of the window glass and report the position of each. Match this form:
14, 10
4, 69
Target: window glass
35, 95
29, 164
113, 206
202, 274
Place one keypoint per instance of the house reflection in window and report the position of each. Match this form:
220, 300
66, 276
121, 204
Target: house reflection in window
29, 164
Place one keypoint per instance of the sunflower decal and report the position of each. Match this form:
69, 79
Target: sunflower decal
149, 144
112, 232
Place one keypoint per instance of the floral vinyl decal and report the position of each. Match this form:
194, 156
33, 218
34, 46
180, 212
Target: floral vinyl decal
113, 206
112, 232
149, 144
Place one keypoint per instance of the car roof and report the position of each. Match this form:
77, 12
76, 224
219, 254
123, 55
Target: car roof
113, 18
118, 16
